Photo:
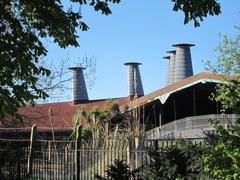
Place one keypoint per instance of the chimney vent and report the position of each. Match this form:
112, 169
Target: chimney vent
183, 61
171, 67
79, 91
135, 88
168, 81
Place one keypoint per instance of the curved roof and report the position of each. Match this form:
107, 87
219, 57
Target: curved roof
163, 93
61, 113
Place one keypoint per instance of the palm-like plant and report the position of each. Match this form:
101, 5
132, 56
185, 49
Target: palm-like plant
98, 120
95, 118
77, 119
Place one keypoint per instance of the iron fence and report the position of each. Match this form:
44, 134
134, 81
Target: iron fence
47, 159
61, 159
13, 158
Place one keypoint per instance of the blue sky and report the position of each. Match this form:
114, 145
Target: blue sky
142, 31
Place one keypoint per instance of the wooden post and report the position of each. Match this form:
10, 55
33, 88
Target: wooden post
31, 148
136, 151
77, 151
49, 151
129, 152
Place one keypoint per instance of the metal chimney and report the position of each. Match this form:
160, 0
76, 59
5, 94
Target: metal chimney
135, 88
183, 64
168, 76
79, 91
171, 67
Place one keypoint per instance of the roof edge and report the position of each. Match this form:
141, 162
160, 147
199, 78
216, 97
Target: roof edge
201, 77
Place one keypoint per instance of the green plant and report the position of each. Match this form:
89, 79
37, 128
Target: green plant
181, 161
86, 134
97, 122
119, 171
228, 66
78, 117
222, 161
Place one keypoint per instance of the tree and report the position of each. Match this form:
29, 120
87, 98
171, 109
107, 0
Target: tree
55, 85
25, 23
197, 10
228, 66
222, 161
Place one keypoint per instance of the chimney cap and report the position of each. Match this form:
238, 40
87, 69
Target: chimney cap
183, 44
132, 63
172, 51
76, 68
166, 57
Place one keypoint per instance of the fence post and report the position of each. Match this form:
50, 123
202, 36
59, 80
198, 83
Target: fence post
136, 151
130, 152
31, 149
77, 151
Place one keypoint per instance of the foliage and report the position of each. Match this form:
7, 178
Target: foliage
77, 119
225, 148
130, 124
197, 10
86, 134
112, 107
98, 121
181, 161
23, 26
222, 161
162, 166
119, 171
228, 65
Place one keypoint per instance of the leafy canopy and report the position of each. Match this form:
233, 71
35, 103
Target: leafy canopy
225, 147
196, 10
228, 65
23, 25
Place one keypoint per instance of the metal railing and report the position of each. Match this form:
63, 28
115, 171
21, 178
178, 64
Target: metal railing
189, 123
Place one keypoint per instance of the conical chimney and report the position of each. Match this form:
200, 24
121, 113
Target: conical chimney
183, 63
79, 90
168, 76
135, 88
171, 67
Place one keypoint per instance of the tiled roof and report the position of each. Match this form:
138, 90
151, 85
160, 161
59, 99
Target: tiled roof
61, 113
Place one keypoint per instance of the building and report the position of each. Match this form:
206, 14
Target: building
181, 108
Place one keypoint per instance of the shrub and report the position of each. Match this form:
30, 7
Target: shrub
119, 171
